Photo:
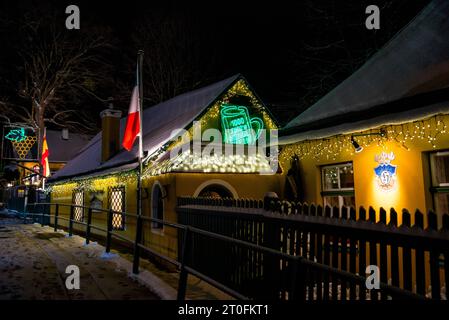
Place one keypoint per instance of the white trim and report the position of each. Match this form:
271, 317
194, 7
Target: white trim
443, 184
216, 182
440, 153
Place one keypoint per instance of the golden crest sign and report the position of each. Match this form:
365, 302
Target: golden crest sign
385, 171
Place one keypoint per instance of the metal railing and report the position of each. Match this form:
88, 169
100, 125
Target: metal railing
411, 257
296, 263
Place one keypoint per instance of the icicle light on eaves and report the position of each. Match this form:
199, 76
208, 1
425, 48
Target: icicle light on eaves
428, 130
66, 187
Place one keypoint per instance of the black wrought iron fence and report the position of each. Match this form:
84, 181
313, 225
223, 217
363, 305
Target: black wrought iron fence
252, 253
412, 259
51, 212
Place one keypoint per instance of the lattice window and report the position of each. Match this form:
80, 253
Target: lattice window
117, 204
439, 167
78, 199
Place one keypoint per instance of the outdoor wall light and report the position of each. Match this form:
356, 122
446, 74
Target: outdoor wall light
358, 148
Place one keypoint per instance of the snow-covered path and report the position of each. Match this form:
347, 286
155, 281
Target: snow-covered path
33, 261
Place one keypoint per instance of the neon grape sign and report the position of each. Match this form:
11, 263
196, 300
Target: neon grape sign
238, 127
16, 135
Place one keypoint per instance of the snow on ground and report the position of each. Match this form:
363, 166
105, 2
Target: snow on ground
33, 261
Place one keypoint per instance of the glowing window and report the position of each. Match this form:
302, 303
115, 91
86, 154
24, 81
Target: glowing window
215, 191
78, 200
439, 167
338, 185
117, 204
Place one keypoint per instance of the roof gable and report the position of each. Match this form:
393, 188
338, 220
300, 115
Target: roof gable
160, 122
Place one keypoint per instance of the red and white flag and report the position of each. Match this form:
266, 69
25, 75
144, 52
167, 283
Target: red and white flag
44, 157
132, 129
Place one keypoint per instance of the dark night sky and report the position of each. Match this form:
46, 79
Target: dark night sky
291, 52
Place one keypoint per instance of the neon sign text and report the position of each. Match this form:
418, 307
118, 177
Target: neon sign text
238, 127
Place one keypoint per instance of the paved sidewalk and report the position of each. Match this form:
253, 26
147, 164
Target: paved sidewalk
197, 289
33, 260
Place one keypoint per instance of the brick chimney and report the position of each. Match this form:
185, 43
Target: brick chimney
110, 132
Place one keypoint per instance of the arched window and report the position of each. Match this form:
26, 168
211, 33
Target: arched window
157, 205
215, 191
216, 188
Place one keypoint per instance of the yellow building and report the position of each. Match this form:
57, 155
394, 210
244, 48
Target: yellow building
103, 175
380, 138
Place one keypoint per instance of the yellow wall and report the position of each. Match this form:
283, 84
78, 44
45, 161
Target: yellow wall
179, 184
246, 185
175, 184
412, 177
62, 194
165, 240
408, 191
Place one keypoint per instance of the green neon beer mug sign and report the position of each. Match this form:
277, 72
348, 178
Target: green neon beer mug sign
238, 127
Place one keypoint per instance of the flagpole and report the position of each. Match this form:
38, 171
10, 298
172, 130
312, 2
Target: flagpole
139, 177
42, 164
140, 84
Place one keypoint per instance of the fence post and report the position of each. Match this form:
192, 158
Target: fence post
297, 280
89, 221
182, 285
445, 228
268, 198
109, 231
56, 217
434, 259
24, 216
137, 241
72, 211
420, 257
406, 254
42, 214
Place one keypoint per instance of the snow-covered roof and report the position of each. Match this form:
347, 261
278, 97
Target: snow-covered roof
63, 150
158, 123
413, 63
